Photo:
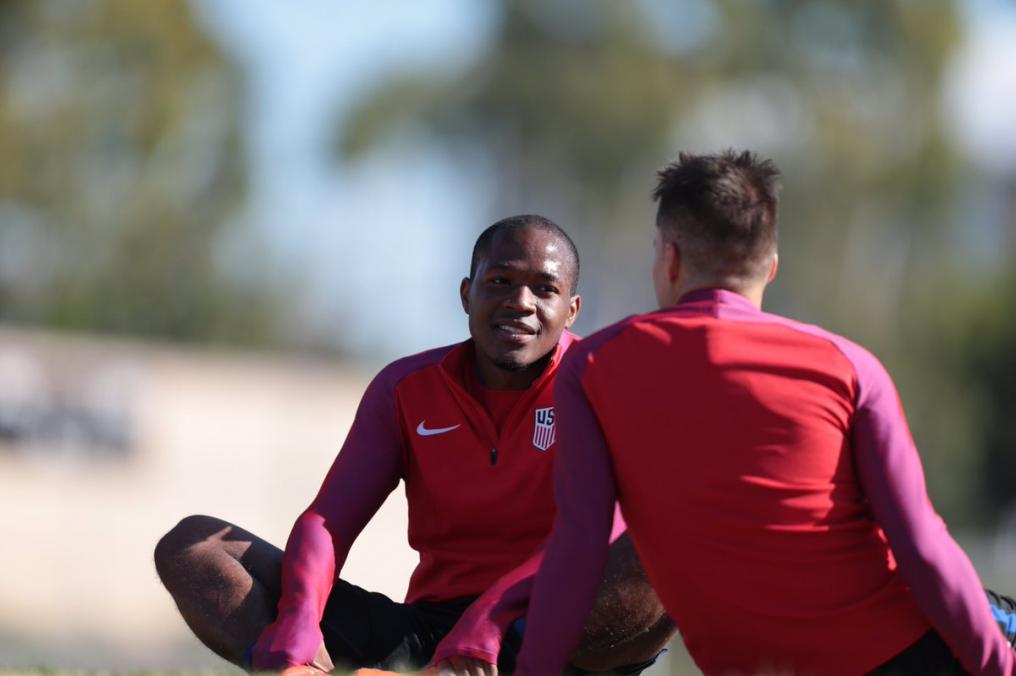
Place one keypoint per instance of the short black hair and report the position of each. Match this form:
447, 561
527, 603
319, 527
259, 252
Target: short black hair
522, 221
721, 210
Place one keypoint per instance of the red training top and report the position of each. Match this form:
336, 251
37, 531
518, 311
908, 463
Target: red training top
480, 500
761, 466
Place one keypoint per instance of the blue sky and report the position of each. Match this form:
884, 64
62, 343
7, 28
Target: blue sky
341, 229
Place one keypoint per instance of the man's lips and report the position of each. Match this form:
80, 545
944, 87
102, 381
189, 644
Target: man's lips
514, 331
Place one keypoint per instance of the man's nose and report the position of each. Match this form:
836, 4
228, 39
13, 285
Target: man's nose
522, 298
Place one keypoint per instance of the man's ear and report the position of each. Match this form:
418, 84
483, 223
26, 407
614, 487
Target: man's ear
673, 256
773, 268
573, 310
464, 293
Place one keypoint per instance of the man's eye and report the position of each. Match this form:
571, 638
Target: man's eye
545, 290
499, 280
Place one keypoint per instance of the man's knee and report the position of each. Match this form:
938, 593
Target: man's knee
631, 629
174, 547
627, 624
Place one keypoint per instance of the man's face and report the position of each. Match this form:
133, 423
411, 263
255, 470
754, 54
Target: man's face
519, 300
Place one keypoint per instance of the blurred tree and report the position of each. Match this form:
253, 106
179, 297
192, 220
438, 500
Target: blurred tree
993, 362
573, 104
981, 343
122, 163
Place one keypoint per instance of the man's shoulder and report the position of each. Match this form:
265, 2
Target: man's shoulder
645, 325
859, 356
395, 372
568, 340
581, 348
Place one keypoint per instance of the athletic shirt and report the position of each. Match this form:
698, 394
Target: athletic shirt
764, 468
497, 403
479, 493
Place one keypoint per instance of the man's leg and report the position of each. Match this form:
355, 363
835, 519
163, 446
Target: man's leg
368, 629
225, 581
626, 628
627, 625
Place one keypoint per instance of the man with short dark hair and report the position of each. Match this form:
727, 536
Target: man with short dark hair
470, 429
764, 468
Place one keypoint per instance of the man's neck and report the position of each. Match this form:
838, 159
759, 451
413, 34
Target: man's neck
494, 377
753, 292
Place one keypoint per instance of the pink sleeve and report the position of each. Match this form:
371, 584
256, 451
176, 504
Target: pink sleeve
565, 587
366, 470
943, 582
480, 630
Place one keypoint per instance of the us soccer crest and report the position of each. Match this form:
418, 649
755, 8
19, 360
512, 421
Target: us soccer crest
543, 433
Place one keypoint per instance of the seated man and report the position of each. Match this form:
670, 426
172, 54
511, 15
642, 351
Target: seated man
764, 468
470, 428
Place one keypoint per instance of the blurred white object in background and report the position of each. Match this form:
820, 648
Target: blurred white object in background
105, 444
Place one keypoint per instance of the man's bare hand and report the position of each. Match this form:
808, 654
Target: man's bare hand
303, 670
322, 660
463, 666
321, 665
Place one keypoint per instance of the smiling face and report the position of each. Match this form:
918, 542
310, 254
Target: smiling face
519, 300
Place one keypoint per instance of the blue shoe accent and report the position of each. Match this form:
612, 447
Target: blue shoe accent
1006, 621
247, 661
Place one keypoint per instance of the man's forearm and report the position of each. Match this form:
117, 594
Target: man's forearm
563, 593
308, 572
480, 630
944, 584
308, 566
572, 569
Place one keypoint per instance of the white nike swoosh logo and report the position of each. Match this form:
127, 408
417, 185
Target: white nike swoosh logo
424, 432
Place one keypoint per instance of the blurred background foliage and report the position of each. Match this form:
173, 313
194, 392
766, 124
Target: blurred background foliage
124, 169
122, 160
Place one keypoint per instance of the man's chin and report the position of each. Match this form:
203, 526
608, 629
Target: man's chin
518, 360
512, 364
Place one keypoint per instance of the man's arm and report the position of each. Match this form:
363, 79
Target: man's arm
479, 632
565, 587
365, 471
943, 582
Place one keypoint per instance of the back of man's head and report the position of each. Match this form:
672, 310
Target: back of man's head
720, 210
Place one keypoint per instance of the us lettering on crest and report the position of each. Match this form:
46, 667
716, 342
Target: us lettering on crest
543, 433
